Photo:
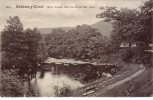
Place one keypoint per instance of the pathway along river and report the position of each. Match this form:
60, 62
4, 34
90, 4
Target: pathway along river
60, 72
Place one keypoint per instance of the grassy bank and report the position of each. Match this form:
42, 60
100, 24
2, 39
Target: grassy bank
140, 86
127, 70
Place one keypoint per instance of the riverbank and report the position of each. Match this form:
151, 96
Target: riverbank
70, 72
99, 84
141, 86
126, 71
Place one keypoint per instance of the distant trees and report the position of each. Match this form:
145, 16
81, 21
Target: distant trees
83, 42
54, 42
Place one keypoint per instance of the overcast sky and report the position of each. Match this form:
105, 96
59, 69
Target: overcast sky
55, 17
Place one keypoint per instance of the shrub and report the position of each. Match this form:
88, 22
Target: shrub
64, 91
11, 85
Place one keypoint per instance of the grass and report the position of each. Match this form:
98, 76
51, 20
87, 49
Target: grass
141, 86
132, 68
64, 91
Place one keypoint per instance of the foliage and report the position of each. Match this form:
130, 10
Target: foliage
13, 48
130, 25
32, 40
14, 24
11, 85
64, 91
131, 55
42, 51
19, 47
146, 18
19, 51
83, 42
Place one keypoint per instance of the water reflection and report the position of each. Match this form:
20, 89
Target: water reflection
45, 84
73, 75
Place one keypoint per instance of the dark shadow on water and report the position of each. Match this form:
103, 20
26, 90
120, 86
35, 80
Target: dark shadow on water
75, 75
84, 73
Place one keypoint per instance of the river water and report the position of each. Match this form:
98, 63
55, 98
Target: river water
67, 73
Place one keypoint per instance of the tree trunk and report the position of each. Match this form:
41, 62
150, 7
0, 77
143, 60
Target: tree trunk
129, 44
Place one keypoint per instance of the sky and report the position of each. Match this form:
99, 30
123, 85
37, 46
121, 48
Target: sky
58, 17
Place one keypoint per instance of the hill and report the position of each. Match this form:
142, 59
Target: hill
103, 27
49, 30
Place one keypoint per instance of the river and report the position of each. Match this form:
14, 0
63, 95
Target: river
67, 72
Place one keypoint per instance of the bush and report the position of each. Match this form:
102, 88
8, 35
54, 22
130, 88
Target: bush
11, 85
130, 55
64, 91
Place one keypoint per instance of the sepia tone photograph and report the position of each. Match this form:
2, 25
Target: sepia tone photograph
76, 48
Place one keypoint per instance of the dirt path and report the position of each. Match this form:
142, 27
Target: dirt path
109, 87
142, 69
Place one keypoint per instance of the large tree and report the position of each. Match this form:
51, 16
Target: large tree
19, 47
146, 18
13, 58
33, 37
130, 25
13, 49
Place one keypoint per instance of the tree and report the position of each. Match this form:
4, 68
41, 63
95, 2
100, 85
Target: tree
13, 47
32, 41
146, 19
82, 42
42, 51
19, 47
129, 25
19, 54
54, 41
125, 27
14, 24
